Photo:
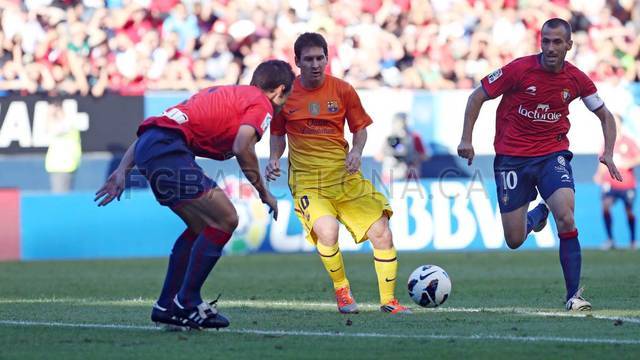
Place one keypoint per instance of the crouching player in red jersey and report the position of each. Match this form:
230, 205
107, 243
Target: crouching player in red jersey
217, 123
532, 149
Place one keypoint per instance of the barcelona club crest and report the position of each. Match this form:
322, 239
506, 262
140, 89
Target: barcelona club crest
314, 108
565, 95
332, 106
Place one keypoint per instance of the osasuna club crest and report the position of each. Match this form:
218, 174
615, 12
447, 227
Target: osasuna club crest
565, 95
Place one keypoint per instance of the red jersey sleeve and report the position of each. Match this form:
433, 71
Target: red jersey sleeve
587, 87
357, 117
587, 90
278, 125
501, 80
634, 150
259, 117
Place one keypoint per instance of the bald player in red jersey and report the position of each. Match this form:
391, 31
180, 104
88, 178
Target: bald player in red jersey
532, 148
217, 123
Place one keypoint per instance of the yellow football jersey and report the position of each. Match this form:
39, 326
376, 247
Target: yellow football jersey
313, 120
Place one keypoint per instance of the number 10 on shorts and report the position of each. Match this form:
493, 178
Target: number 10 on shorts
509, 179
509, 182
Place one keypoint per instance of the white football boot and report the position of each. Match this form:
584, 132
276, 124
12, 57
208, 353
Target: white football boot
578, 303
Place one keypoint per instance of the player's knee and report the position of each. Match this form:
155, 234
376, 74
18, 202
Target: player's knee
386, 241
326, 234
381, 239
514, 243
565, 222
326, 238
227, 221
514, 239
231, 220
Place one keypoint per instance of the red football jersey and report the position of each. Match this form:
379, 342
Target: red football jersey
210, 119
625, 151
532, 117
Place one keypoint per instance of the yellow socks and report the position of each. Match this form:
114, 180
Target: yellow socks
386, 263
332, 260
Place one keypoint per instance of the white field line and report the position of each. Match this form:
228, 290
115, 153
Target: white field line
330, 306
481, 337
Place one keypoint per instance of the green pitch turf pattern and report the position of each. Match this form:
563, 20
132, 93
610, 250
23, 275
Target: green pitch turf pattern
503, 305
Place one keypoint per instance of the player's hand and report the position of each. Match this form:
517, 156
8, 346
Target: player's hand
272, 172
465, 150
272, 203
353, 161
112, 188
613, 170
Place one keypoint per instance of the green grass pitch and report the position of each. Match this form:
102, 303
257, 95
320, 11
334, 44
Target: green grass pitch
503, 305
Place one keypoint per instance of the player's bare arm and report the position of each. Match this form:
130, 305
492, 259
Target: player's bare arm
277, 145
354, 157
114, 186
609, 132
474, 104
245, 152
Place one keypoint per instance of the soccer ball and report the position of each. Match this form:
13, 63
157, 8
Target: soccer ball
429, 286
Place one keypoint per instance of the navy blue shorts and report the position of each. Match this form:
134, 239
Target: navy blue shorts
517, 177
165, 160
627, 196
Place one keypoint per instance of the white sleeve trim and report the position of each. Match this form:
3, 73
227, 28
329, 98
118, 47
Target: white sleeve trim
593, 102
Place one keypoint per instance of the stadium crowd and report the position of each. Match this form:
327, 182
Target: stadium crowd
129, 46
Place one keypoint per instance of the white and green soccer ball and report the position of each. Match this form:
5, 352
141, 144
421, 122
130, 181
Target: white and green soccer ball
429, 286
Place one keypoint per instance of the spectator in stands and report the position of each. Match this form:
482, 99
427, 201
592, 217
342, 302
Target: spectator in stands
185, 25
416, 44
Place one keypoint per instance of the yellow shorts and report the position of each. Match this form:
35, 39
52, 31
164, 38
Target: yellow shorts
355, 203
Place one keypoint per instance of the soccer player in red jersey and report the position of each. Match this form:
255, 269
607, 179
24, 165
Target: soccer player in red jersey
627, 155
217, 123
532, 149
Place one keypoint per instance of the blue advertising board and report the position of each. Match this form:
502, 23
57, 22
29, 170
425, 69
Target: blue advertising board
452, 215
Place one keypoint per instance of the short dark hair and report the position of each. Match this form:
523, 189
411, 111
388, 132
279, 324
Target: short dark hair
272, 73
556, 22
307, 40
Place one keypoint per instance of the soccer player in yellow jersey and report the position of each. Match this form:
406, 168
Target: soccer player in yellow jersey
324, 175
